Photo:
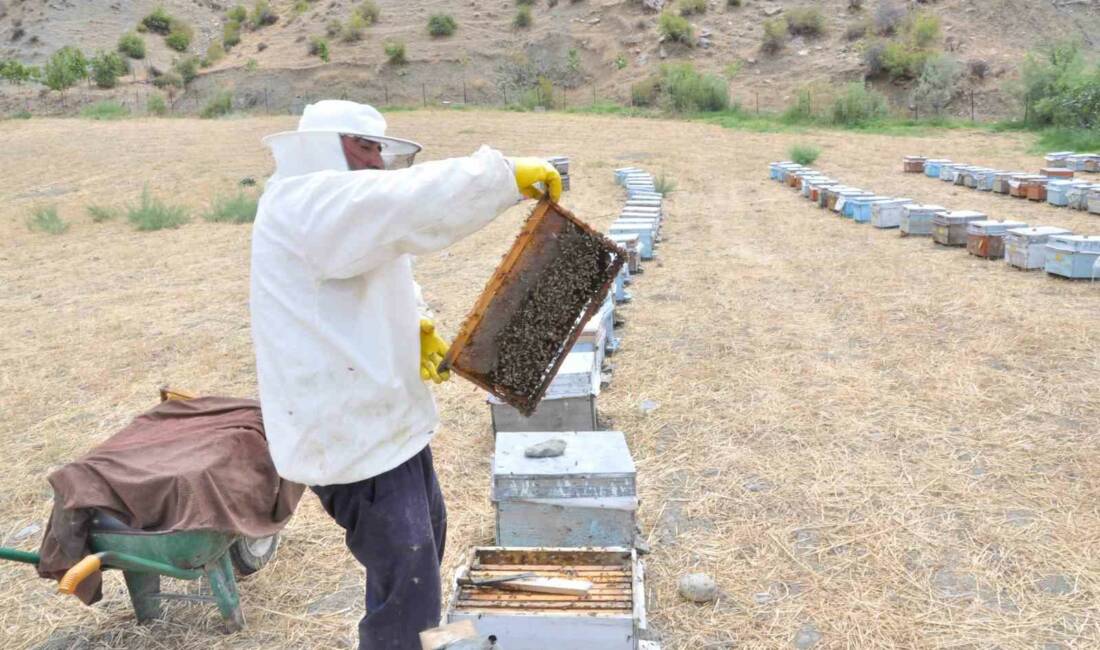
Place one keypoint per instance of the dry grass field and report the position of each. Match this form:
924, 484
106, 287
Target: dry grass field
864, 438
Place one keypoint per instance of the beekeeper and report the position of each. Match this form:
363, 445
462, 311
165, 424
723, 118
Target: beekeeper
342, 351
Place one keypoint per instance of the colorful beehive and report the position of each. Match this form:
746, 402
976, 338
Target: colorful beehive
568, 405
776, 169
1017, 185
635, 212
916, 220
949, 227
619, 293
645, 234
848, 209
964, 175
1073, 256
862, 207
1082, 162
1002, 182
1057, 159
913, 164
808, 181
633, 246
986, 179
584, 497
1058, 192
609, 616
817, 186
1056, 172
887, 214
1026, 248
932, 168
986, 238
1036, 188
827, 195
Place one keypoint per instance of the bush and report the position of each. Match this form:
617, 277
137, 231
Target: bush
523, 18
939, 82
64, 68
803, 154
855, 5
395, 52
214, 53
807, 21
170, 79
901, 62
857, 31
21, 115
187, 68
664, 185
676, 28
262, 15
16, 72
156, 105
99, 214
733, 3
873, 58
887, 16
801, 109
689, 7
645, 92
179, 39
979, 68
525, 3
924, 29
107, 67
154, 214
687, 90
369, 11
46, 219
353, 30
301, 6
237, 14
219, 105
231, 34
318, 46
858, 106
445, 25
333, 28
775, 34
105, 110
234, 209
158, 22
132, 45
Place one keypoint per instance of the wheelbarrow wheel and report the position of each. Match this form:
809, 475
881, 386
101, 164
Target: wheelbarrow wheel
250, 554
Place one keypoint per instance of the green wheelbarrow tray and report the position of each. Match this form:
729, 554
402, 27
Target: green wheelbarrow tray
145, 556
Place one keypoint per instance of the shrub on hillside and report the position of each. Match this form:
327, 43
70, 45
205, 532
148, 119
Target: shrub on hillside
733, 3
523, 18
333, 28
46, 219
231, 34
179, 38
158, 22
219, 105
318, 47
645, 92
370, 12
443, 25
262, 15
801, 109
888, 15
923, 29
858, 106
676, 28
805, 21
689, 7
979, 68
64, 68
238, 14
187, 68
856, 31
214, 52
395, 52
100, 213
686, 90
170, 79
939, 82
353, 29
902, 62
132, 45
107, 67
775, 35
803, 154
156, 105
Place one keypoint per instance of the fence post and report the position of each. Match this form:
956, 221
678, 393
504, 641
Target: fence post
593, 94
564, 98
504, 89
267, 104
464, 98
971, 104
424, 94
757, 93
386, 88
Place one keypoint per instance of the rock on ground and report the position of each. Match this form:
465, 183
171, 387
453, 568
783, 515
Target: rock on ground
698, 588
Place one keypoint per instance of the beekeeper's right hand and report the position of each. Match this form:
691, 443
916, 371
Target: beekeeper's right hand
535, 170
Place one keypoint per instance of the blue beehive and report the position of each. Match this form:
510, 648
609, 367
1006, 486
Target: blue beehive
1073, 256
932, 167
1058, 192
846, 205
775, 169
645, 235
948, 171
985, 179
862, 207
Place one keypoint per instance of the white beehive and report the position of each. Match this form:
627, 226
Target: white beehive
1073, 256
1026, 248
916, 220
887, 214
569, 403
949, 227
585, 497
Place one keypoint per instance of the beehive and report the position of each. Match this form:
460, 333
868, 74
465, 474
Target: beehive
846, 205
609, 617
1002, 182
985, 179
585, 497
913, 164
916, 220
1093, 200
986, 238
619, 294
932, 168
1035, 188
887, 214
948, 172
622, 172
1017, 185
1077, 196
1057, 159
1083, 162
775, 169
1056, 172
964, 175
652, 222
643, 231
1058, 192
1073, 256
569, 403
1026, 248
561, 163
598, 335
949, 228
863, 206
632, 244
556, 275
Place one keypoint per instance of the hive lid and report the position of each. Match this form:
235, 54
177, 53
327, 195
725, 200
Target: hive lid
965, 215
587, 453
988, 227
1077, 243
1038, 232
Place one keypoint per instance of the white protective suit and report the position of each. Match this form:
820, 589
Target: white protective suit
334, 304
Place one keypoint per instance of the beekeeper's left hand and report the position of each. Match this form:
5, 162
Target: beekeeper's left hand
536, 170
432, 350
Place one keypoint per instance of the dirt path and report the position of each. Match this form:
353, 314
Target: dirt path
863, 437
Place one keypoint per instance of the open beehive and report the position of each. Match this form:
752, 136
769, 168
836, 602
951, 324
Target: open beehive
608, 617
554, 278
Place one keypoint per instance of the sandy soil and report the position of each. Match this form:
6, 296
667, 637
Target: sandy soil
864, 438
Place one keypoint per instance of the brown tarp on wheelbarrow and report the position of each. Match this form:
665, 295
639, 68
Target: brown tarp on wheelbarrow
200, 464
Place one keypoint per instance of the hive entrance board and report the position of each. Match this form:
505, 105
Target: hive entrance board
554, 278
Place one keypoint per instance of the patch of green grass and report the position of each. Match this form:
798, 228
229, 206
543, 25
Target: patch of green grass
105, 110
1081, 140
153, 214
100, 213
45, 219
21, 115
441, 25
220, 105
803, 154
240, 208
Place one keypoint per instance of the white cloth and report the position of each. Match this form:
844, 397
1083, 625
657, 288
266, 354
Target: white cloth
334, 305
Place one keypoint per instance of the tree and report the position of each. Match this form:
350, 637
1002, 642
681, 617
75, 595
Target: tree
15, 72
132, 45
65, 68
107, 67
939, 81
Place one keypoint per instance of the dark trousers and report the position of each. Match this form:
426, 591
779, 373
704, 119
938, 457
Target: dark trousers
396, 526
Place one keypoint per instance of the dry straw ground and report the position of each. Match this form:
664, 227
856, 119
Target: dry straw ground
864, 438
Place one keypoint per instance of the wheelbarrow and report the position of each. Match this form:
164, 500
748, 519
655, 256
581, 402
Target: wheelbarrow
145, 556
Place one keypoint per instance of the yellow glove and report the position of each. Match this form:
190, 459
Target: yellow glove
432, 350
535, 170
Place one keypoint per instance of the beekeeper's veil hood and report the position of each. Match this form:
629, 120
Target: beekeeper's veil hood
315, 146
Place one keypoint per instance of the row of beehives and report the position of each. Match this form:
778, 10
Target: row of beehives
1080, 162
1055, 185
1056, 250
568, 516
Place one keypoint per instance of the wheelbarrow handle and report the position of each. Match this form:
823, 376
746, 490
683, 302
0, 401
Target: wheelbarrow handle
79, 571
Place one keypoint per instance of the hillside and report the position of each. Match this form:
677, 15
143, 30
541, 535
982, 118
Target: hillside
615, 44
